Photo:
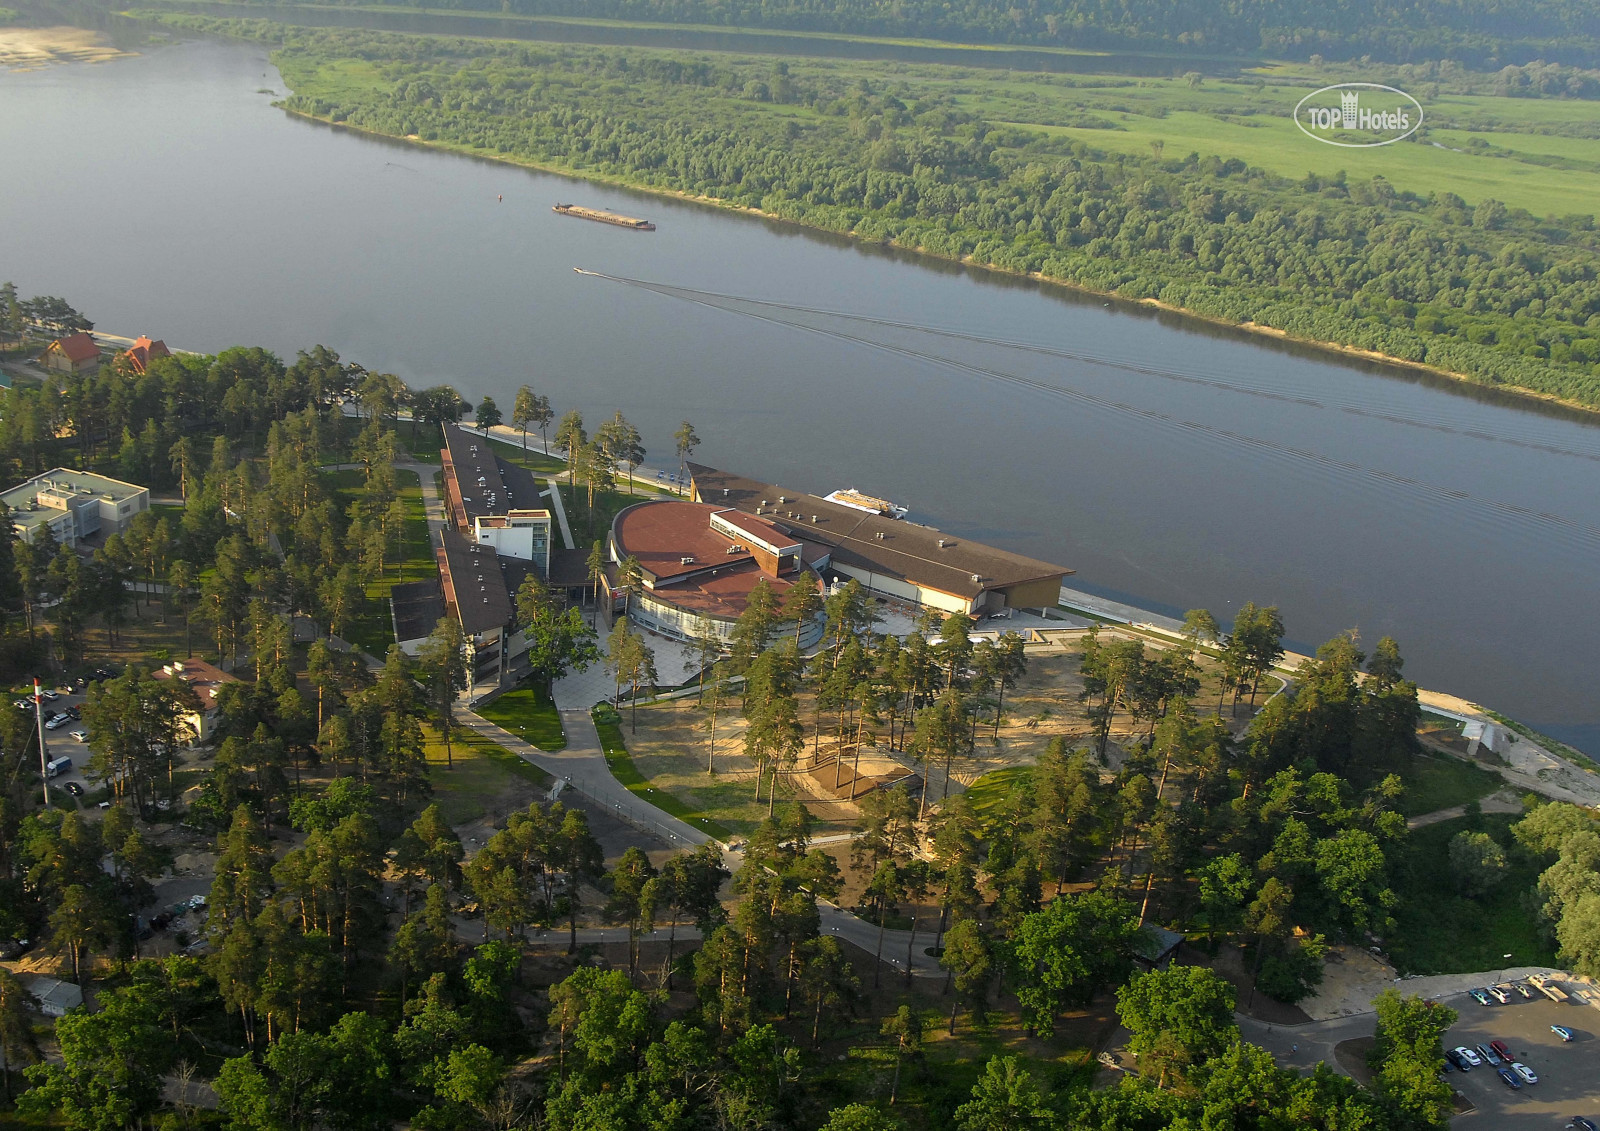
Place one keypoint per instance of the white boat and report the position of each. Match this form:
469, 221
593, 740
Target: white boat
856, 500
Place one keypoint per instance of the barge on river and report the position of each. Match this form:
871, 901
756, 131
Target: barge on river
605, 217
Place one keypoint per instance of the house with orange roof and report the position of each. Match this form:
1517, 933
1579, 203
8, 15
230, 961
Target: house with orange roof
76, 353
143, 352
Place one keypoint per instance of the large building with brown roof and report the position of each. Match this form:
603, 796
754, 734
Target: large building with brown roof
698, 565
889, 556
143, 351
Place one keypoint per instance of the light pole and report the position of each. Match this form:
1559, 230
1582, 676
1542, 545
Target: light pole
44, 758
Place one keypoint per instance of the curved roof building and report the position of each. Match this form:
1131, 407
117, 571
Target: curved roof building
699, 564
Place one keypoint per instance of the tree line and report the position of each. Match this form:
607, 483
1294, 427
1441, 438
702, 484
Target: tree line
1479, 289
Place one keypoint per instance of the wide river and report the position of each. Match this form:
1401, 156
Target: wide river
1170, 464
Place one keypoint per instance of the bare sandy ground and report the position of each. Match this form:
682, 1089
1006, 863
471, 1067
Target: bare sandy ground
27, 48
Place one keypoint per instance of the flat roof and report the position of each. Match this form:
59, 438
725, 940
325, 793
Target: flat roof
661, 534
204, 677
418, 607
472, 578
66, 480
875, 543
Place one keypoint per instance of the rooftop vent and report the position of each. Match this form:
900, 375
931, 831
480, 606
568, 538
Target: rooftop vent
813, 518
977, 578
687, 559
881, 536
724, 492
941, 543
783, 498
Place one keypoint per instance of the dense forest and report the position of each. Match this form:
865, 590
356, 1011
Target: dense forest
1480, 32
1482, 290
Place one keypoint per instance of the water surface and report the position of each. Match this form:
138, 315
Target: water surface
164, 195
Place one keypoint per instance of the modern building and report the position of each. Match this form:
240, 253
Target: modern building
889, 556
75, 505
698, 565
205, 680
143, 351
76, 353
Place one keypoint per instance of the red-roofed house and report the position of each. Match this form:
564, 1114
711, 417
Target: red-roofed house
143, 351
76, 353
205, 679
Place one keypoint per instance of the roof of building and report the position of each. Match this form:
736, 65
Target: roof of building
142, 350
203, 677
673, 538
61, 482
1156, 944
418, 607
78, 348
687, 563
876, 543
474, 583
489, 485
568, 568
55, 992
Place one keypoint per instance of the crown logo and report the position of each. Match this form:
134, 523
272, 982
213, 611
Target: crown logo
1347, 103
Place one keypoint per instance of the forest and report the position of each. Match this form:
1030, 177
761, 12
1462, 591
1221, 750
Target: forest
1481, 290
1479, 32
360, 959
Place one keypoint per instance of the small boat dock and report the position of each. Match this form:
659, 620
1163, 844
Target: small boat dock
603, 217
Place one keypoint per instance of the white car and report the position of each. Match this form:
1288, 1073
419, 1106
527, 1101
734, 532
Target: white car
1469, 1055
56, 721
81, 735
1525, 1072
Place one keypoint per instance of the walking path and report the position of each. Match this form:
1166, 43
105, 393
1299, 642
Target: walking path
582, 766
1503, 802
554, 495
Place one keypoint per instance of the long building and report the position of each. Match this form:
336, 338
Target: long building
889, 556
75, 505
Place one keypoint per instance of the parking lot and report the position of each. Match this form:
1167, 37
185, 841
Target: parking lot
59, 743
1569, 1073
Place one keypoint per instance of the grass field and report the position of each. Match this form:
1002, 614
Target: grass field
1438, 781
373, 631
528, 713
1439, 931
478, 777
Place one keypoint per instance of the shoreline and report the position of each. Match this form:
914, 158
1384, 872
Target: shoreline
1515, 392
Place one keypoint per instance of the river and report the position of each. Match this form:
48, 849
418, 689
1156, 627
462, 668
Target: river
1171, 464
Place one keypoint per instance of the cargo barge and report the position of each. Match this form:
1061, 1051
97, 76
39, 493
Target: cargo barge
605, 217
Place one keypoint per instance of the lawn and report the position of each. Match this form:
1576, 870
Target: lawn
373, 630
528, 713
1439, 931
479, 776
686, 807
1438, 781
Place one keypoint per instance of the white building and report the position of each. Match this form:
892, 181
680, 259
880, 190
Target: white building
74, 504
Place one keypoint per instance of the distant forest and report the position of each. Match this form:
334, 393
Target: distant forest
1481, 33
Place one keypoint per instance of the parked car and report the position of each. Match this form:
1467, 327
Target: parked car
1522, 988
75, 712
81, 735
1582, 1123
1562, 1031
12, 949
1479, 996
1525, 1072
1489, 1055
73, 788
1510, 1078
1499, 994
49, 696
56, 722
1502, 1048
1464, 1054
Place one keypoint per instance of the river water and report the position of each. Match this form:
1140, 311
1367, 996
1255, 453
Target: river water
1172, 465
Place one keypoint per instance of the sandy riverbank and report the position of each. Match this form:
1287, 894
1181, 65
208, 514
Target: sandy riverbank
27, 48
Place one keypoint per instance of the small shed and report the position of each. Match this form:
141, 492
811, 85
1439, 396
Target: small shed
1482, 734
1156, 946
54, 996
